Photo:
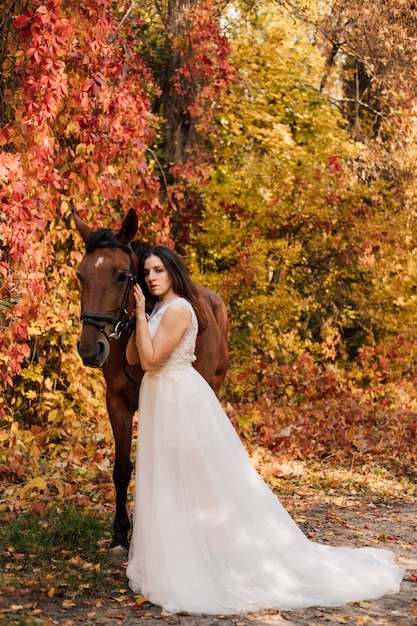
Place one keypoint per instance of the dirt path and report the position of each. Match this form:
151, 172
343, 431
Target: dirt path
337, 520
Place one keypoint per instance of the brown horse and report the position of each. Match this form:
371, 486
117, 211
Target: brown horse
107, 273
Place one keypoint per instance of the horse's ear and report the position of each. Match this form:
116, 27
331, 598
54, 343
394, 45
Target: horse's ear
129, 227
83, 228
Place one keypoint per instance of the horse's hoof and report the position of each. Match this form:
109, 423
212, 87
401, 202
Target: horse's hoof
118, 554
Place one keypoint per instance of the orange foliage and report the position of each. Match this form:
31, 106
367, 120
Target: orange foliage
78, 134
77, 138
310, 413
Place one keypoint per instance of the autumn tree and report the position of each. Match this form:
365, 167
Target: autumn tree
77, 125
185, 46
80, 131
313, 254
302, 248
369, 74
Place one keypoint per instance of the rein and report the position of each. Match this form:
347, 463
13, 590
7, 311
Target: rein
99, 320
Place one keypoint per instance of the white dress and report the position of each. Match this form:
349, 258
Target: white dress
209, 536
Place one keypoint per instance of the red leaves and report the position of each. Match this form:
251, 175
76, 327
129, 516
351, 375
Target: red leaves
23, 22
312, 414
81, 126
205, 70
43, 79
335, 164
384, 537
204, 51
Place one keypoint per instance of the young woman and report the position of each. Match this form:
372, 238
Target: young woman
209, 536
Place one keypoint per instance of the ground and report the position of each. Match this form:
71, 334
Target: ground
388, 521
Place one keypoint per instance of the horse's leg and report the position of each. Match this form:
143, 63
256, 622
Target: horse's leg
120, 414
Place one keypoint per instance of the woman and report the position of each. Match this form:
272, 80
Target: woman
209, 536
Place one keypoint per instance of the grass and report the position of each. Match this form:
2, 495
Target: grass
62, 529
63, 551
20, 622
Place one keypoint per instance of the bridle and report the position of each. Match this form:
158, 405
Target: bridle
120, 321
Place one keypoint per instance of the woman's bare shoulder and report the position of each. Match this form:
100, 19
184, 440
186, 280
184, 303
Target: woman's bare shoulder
176, 310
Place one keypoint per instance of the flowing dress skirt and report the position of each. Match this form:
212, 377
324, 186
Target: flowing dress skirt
209, 536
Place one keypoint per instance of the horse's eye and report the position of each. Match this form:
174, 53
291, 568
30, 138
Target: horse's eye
122, 278
79, 277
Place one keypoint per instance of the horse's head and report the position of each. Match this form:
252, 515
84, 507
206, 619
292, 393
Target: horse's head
106, 273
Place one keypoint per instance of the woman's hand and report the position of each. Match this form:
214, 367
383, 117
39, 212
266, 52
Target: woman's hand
140, 303
132, 355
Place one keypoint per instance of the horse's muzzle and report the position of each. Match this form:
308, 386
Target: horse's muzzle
95, 354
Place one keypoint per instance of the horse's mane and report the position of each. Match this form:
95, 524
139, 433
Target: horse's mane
107, 238
102, 237
140, 248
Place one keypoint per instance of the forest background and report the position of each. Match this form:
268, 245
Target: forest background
272, 144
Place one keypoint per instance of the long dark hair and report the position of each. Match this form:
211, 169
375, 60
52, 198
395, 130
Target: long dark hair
181, 282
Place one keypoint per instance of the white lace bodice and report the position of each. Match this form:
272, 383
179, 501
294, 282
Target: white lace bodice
183, 354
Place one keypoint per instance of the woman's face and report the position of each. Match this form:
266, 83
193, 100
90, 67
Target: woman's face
157, 278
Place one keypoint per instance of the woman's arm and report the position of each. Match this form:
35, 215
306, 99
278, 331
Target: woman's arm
153, 352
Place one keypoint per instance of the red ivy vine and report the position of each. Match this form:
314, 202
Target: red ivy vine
79, 139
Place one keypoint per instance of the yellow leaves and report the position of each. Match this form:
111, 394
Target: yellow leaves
20, 56
84, 150
34, 331
4, 436
34, 451
53, 416
64, 207
31, 394
63, 458
139, 600
37, 483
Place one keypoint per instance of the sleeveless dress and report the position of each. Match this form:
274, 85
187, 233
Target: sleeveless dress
209, 536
